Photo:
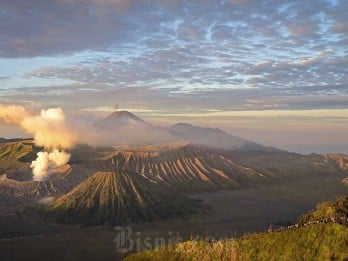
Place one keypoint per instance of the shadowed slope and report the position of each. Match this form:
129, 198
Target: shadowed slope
115, 198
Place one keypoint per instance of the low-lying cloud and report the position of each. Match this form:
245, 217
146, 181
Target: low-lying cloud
49, 129
57, 133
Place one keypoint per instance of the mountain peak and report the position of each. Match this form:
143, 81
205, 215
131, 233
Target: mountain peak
117, 197
123, 115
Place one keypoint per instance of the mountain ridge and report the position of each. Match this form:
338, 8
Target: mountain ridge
128, 124
112, 198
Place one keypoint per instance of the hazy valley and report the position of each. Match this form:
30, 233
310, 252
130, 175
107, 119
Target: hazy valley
196, 181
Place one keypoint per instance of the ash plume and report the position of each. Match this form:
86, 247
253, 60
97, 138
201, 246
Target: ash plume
50, 130
46, 161
57, 133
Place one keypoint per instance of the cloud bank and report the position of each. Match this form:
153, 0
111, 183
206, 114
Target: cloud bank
178, 56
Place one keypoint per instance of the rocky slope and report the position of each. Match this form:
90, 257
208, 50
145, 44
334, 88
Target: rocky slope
15, 154
183, 166
187, 166
114, 198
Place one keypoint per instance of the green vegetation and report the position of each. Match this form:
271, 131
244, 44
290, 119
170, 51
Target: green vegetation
13, 155
323, 241
190, 250
316, 242
327, 210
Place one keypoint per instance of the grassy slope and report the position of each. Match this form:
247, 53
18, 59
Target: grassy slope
324, 241
316, 242
11, 153
328, 209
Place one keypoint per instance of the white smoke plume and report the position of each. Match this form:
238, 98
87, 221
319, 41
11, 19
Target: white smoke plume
46, 161
40, 165
50, 130
57, 133
59, 158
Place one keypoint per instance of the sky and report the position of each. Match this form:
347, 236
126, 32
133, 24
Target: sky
275, 72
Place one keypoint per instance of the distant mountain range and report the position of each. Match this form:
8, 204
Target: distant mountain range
134, 182
136, 129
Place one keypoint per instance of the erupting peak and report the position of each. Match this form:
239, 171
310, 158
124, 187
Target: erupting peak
123, 115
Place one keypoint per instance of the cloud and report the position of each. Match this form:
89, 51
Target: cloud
341, 28
238, 2
33, 28
13, 114
45, 162
321, 113
49, 129
167, 56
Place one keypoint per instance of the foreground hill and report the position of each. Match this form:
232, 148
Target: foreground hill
114, 198
328, 211
313, 241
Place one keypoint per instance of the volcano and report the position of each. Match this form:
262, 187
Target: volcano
119, 119
117, 197
137, 131
140, 178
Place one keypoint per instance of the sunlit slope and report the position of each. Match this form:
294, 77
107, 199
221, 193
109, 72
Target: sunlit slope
328, 210
114, 198
190, 166
14, 154
322, 241
181, 166
317, 242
